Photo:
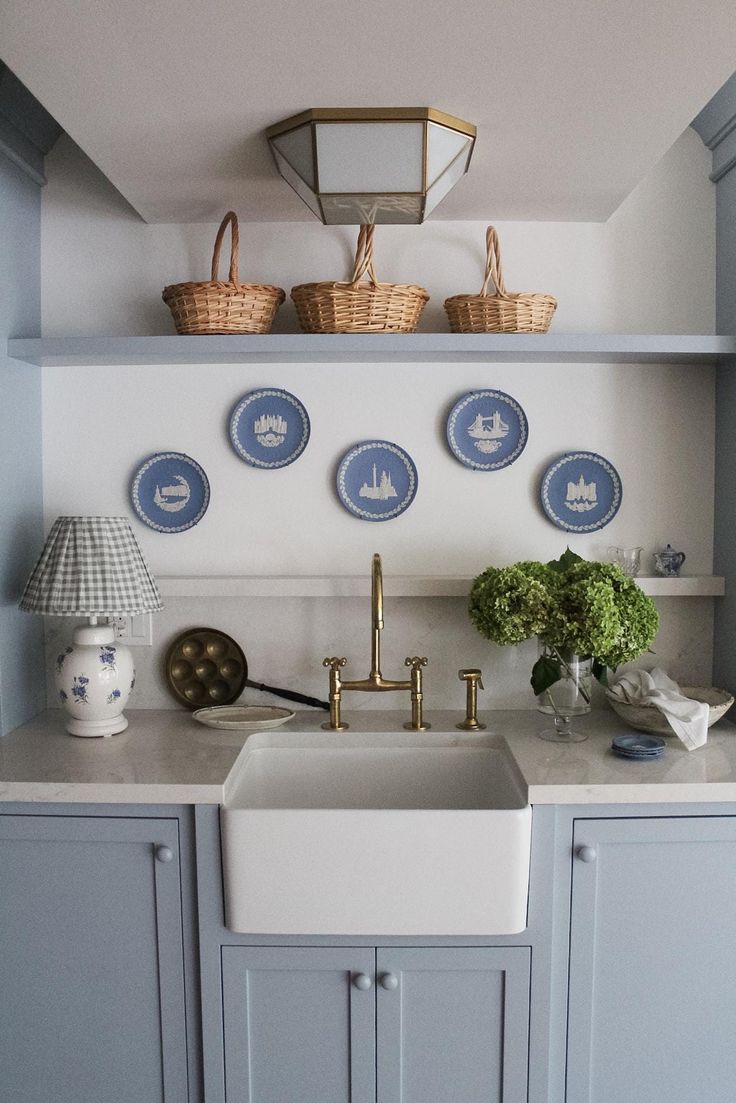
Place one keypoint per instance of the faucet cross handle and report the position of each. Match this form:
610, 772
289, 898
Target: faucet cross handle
334, 663
415, 661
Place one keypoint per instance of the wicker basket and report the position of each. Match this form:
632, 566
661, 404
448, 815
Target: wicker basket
502, 312
216, 306
356, 307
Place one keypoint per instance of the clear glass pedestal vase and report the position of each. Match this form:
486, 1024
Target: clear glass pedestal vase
568, 697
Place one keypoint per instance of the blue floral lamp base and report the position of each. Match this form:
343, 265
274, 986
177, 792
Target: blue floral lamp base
94, 678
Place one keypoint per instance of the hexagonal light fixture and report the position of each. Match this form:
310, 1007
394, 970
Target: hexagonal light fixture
361, 165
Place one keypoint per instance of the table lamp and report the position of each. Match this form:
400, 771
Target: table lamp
93, 567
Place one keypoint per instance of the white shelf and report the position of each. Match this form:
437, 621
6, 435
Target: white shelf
287, 348
394, 586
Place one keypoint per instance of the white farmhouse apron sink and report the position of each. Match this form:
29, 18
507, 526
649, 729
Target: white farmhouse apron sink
391, 834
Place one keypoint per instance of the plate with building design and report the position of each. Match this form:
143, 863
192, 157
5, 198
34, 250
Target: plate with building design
269, 428
581, 492
376, 480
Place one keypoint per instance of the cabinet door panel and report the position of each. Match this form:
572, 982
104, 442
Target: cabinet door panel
91, 961
455, 1027
297, 1029
653, 962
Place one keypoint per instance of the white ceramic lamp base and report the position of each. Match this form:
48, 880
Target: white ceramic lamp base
94, 678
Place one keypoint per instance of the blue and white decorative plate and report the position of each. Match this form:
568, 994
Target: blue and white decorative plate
581, 492
487, 430
376, 480
170, 492
269, 428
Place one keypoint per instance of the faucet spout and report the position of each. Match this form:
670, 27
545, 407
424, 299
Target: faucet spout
375, 682
376, 617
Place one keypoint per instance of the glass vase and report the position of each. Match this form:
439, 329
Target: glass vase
568, 697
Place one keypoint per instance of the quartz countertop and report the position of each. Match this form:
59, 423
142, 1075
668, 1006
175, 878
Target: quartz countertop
166, 757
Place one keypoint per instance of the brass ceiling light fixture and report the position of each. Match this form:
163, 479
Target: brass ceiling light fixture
358, 165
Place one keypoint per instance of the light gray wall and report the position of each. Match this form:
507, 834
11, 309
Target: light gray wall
21, 513
716, 125
26, 134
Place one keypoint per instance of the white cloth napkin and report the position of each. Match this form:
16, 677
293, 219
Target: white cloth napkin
687, 718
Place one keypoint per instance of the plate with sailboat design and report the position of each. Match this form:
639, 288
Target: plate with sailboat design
376, 480
581, 492
487, 430
170, 492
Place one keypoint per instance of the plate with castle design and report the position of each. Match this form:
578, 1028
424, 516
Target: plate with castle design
376, 480
269, 428
487, 430
581, 492
170, 492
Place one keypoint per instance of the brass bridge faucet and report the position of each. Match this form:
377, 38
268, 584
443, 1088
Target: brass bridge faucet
375, 682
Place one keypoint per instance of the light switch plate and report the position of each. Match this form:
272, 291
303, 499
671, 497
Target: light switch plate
136, 630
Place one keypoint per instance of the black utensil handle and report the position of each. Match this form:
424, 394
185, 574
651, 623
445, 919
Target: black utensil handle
289, 694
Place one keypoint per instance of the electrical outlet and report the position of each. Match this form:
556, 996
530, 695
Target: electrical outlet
137, 630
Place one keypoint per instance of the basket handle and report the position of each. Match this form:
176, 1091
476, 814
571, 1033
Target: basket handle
494, 271
232, 219
364, 257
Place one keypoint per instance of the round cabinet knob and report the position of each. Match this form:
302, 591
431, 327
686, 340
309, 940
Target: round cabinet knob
362, 981
389, 982
587, 854
164, 854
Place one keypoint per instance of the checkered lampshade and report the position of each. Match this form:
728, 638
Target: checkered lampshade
90, 566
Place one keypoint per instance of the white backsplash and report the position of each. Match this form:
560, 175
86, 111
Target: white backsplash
285, 640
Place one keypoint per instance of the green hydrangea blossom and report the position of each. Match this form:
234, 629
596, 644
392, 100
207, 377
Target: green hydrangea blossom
510, 604
573, 605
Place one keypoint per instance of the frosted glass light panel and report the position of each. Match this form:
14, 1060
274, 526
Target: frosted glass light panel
372, 165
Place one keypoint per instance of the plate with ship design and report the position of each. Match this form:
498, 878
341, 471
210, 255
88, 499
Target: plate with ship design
376, 480
170, 492
581, 492
269, 428
487, 430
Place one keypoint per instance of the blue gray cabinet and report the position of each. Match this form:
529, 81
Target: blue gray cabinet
91, 961
652, 996
393, 1025
452, 1024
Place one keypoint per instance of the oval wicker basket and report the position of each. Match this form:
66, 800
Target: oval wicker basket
502, 312
216, 306
355, 307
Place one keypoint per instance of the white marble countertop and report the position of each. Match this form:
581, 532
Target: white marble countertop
166, 757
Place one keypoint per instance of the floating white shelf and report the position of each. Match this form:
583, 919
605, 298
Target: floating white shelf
375, 347
394, 586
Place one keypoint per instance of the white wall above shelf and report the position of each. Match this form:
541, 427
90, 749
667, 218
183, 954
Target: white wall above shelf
394, 586
375, 348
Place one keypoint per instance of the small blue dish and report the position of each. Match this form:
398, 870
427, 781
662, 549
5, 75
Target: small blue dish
638, 746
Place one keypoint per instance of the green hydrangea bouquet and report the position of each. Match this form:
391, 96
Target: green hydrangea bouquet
574, 606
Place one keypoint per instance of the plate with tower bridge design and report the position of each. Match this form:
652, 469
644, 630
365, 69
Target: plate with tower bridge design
269, 428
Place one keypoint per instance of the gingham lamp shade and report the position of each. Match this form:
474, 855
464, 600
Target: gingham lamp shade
91, 566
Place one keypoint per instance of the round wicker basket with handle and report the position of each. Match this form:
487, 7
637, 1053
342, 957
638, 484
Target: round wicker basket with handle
501, 312
219, 306
356, 307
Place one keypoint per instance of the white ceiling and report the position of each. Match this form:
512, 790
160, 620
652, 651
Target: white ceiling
574, 100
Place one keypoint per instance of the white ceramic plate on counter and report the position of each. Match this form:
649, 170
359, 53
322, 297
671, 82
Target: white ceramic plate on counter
243, 717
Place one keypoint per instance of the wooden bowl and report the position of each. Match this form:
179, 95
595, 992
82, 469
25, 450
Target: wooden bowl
648, 718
